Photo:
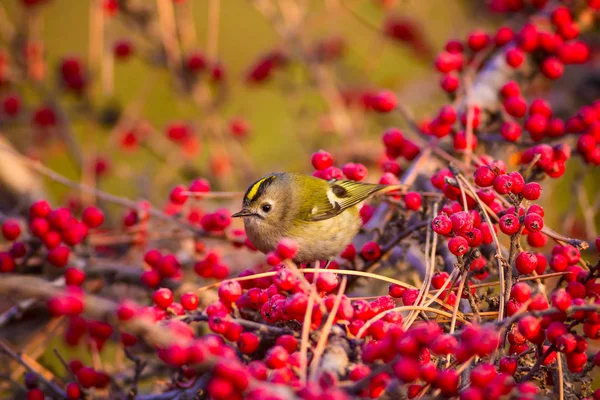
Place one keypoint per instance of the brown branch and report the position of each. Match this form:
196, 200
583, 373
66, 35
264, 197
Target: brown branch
5, 348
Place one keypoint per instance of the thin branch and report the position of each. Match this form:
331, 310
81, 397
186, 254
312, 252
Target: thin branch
324, 334
4, 347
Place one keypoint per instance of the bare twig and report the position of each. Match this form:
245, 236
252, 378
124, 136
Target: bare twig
5, 348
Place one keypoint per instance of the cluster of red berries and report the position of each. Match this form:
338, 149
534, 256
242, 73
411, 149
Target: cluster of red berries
57, 230
32, 384
161, 267
322, 161
216, 221
211, 266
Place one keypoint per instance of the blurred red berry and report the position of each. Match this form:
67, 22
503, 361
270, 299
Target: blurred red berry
321, 160
92, 217
384, 101
370, 251
163, 298
122, 49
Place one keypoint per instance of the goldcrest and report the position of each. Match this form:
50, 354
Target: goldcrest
321, 216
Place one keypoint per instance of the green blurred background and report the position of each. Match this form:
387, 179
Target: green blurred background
284, 113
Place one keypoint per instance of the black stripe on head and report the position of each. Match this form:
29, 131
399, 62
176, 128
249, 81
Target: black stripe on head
257, 189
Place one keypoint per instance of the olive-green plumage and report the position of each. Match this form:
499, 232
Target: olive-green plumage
321, 216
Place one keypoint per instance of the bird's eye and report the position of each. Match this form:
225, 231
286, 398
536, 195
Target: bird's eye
266, 207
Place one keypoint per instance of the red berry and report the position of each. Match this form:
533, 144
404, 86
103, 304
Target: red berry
349, 252
59, 256
532, 191
177, 195
447, 114
73, 391
11, 105
503, 36
526, 262
450, 83
199, 186
248, 342
7, 263
321, 160
561, 299
447, 381
195, 62
384, 101
92, 217
503, 184
163, 298
442, 224
11, 229
510, 131
412, 201
326, 282
178, 131
458, 245
39, 209
60, 218
510, 89
559, 263
393, 139
126, 310
508, 365
552, 68
483, 375
277, 357
515, 57
370, 251
286, 249
74, 276
518, 182
355, 172
406, 369
484, 176
122, 49
444, 345
478, 40
536, 126
462, 222
446, 62
18, 250
230, 291
529, 326
189, 301
533, 222
150, 278
528, 38
288, 342
515, 106
509, 224
86, 377
439, 279
521, 291
454, 46
396, 291
35, 394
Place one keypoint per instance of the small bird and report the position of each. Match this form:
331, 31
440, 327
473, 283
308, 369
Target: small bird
321, 216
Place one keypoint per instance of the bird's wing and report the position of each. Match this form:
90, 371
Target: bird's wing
340, 196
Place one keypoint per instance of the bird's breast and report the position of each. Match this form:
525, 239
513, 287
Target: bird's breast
325, 239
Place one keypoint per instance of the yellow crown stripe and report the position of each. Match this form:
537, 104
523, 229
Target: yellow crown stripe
254, 189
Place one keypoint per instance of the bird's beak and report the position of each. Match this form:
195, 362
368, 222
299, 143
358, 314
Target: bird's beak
243, 213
